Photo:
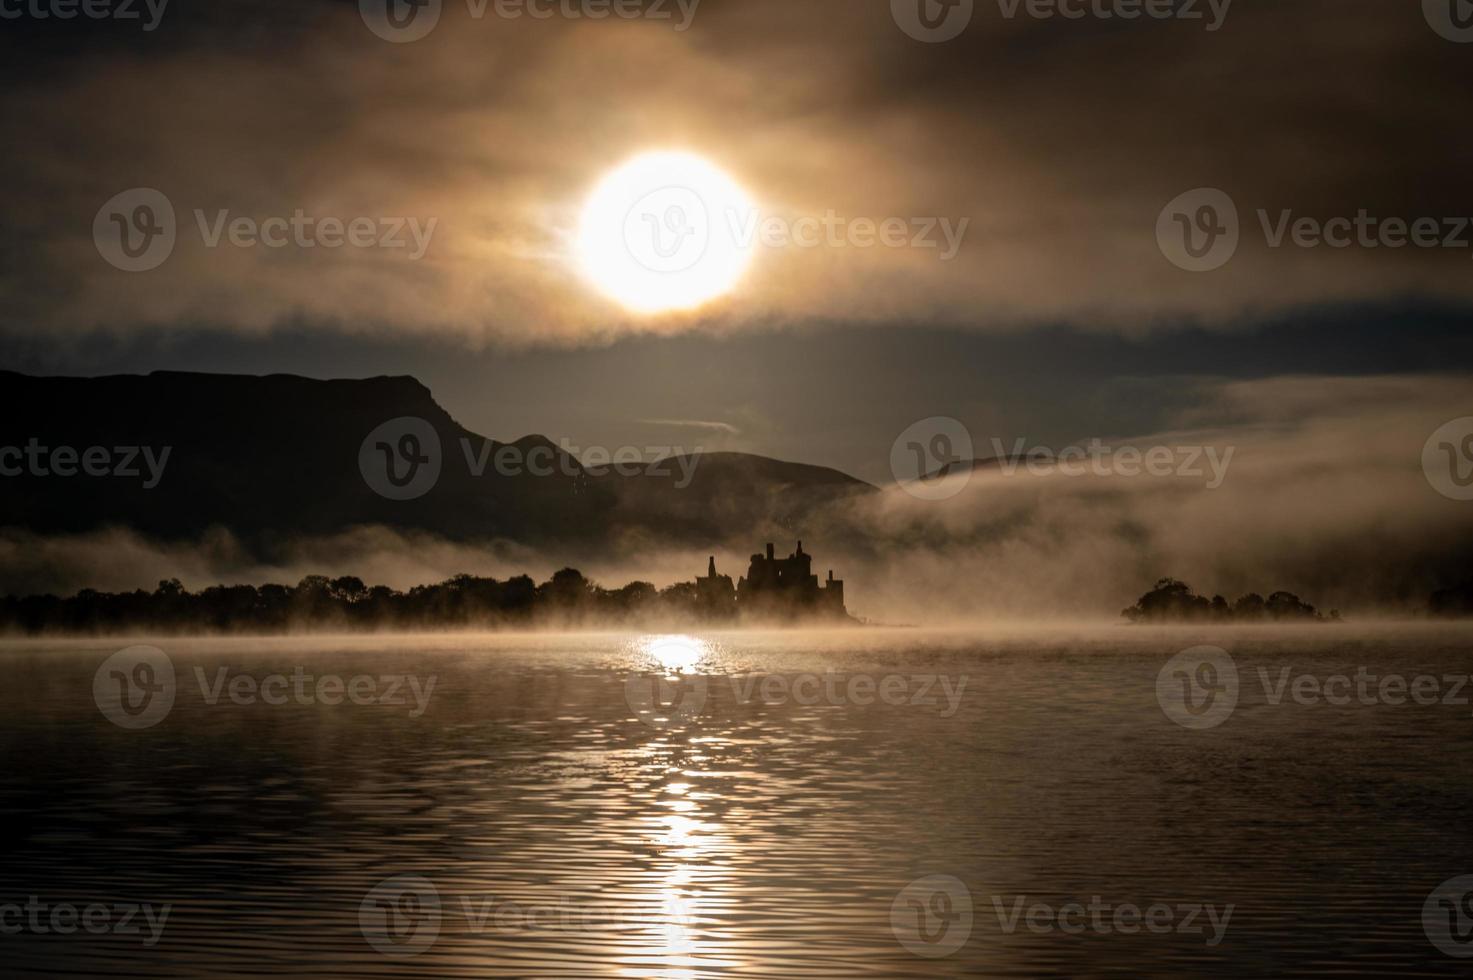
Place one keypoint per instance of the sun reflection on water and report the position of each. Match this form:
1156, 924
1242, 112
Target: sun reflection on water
675, 653
685, 837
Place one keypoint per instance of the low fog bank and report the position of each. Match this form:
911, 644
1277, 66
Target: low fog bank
1324, 495
121, 560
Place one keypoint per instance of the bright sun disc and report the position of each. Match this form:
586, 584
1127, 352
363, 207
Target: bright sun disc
657, 233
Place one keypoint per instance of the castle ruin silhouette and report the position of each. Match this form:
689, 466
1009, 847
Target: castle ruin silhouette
773, 588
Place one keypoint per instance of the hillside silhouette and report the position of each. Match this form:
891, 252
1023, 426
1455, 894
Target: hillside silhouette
276, 457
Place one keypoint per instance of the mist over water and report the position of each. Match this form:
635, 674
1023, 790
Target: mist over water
764, 819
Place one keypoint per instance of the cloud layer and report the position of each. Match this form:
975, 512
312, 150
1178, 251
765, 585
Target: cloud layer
1059, 142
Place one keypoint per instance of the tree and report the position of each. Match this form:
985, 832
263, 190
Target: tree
1288, 606
349, 588
1249, 608
1170, 600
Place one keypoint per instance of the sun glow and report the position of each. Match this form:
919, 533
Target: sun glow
676, 654
660, 233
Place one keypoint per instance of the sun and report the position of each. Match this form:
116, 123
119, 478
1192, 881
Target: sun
662, 232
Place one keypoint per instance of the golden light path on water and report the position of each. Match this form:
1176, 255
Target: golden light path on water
680, 836
555, 822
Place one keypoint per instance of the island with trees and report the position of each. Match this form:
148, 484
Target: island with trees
1173, 601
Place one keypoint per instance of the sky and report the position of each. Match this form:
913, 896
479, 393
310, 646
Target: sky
798, 229
1058, 140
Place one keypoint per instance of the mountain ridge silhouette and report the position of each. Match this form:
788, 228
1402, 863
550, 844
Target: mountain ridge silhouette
273, 457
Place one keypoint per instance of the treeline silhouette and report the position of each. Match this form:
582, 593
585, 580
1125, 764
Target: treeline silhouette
1172, 601
1454, 602
330, 604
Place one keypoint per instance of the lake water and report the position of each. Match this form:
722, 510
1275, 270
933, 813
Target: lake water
789, 805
